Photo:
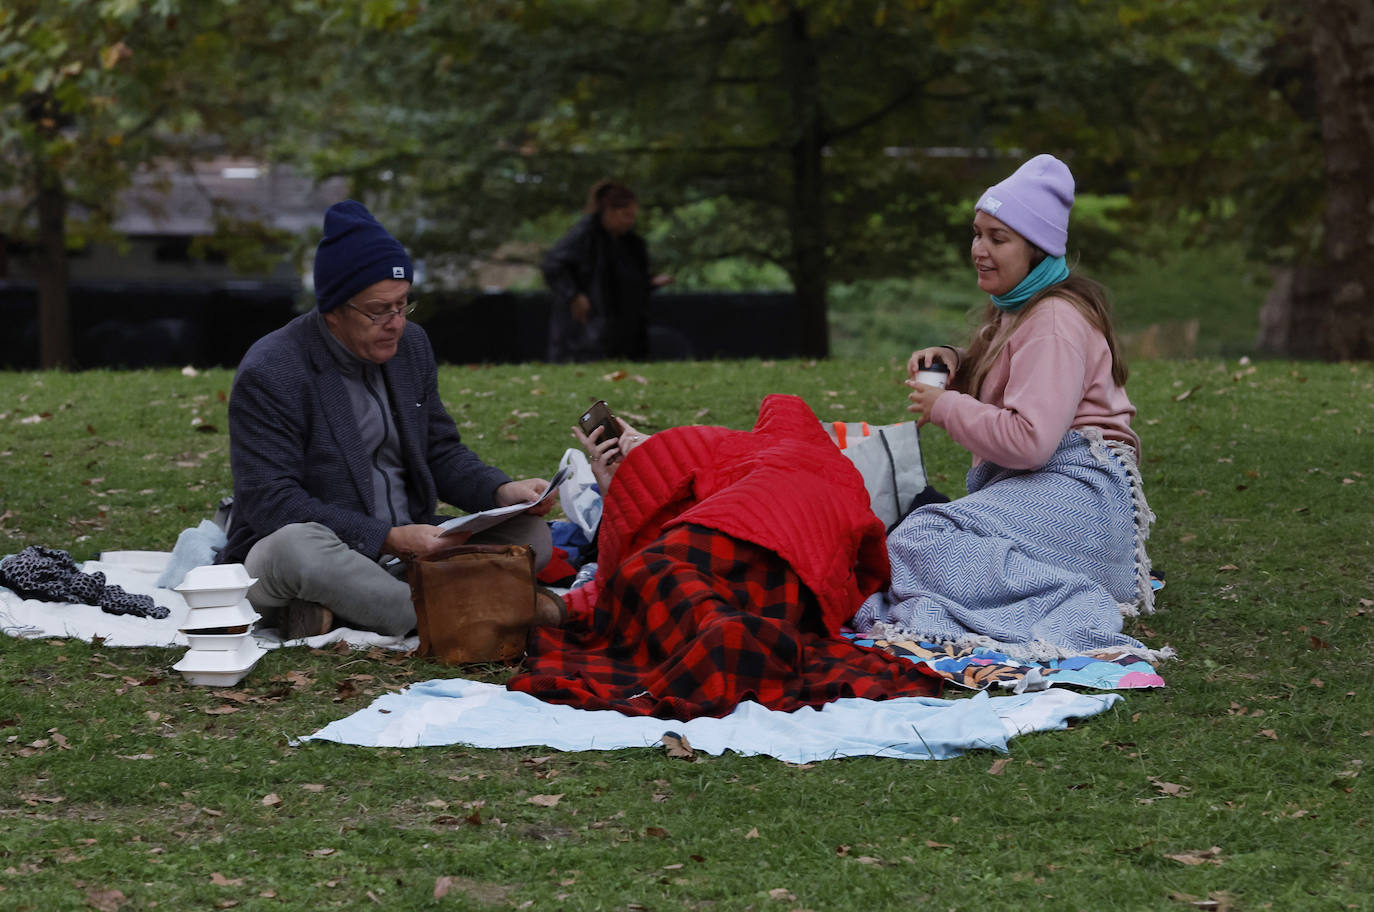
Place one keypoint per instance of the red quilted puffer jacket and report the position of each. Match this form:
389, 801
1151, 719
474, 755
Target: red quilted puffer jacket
784, 486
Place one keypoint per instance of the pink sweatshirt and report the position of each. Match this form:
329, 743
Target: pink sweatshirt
1055, 373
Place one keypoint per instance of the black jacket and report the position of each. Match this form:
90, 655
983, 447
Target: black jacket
614, 275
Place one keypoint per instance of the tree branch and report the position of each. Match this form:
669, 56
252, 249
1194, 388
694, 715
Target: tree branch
873, 116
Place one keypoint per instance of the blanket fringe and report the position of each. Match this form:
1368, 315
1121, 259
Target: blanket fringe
1125, 454
1034, 650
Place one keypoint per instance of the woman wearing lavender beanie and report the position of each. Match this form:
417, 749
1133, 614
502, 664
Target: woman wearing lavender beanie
1046, 554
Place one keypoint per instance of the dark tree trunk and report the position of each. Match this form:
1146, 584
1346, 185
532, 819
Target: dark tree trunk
1327, 311
806, 213
54, 329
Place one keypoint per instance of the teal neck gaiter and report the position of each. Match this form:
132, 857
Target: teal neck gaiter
1051, 271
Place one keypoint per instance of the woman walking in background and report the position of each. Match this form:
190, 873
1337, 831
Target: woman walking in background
1046, 553
599, 275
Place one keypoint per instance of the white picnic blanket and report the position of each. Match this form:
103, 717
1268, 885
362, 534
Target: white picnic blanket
138, 572
459, 711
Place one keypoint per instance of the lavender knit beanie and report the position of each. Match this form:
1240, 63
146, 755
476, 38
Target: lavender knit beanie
355, 252
1035, 202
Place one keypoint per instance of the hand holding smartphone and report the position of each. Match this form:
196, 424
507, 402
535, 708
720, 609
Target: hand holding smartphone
599, 415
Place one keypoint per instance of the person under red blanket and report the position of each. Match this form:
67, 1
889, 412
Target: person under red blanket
727, 563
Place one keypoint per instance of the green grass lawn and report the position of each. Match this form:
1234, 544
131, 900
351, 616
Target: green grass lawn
1240, 786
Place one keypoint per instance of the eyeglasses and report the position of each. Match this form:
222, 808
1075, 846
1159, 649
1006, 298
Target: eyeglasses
386, 316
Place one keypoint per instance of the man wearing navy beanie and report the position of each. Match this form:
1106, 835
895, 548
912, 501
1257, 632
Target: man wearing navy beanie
341, 448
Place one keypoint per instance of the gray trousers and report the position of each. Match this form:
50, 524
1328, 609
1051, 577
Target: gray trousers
307, 561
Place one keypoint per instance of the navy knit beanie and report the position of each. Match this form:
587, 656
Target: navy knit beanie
355, 253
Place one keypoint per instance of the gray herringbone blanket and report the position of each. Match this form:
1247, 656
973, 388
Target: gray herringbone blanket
1039, 564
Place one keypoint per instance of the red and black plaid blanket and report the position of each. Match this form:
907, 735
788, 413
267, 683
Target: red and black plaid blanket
698, 622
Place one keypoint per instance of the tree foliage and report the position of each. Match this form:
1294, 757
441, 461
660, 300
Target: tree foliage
837, 139
93, 92
792, 133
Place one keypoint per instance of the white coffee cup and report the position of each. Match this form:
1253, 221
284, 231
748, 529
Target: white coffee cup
934, 375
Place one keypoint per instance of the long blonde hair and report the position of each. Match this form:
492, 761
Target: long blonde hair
991, 337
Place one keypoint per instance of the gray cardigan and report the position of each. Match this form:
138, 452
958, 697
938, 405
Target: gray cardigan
294, 443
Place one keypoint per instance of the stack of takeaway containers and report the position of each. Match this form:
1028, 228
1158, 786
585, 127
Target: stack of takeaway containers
218, 625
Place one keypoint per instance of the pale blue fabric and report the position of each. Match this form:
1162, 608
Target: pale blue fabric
458, 711
1035, 563
195, 547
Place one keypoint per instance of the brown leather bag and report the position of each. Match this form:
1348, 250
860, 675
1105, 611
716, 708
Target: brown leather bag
474, 603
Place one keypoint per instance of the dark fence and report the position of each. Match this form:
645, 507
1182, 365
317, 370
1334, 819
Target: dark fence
510, 327
141, 324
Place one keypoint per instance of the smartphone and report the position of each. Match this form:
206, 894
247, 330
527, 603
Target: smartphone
599, 415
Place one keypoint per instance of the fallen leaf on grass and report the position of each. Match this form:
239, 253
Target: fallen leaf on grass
221, 710
932, 844
782, 894
547, 801
752, 834
488, 894
1199, 857
1226, 568
313, 787
677, 746
1212, 902
220, 880
105, 900
998, 765
271, 800
1172, 789
602, 824
322, 853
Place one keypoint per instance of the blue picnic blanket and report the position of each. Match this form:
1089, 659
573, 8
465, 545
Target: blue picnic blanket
459, 711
